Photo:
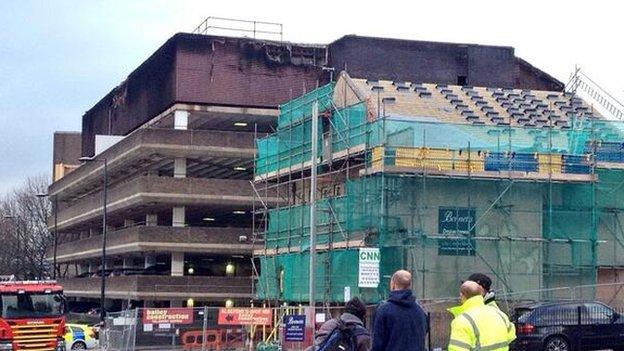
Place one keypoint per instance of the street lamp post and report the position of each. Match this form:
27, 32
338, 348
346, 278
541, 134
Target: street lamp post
103, 262
55, 230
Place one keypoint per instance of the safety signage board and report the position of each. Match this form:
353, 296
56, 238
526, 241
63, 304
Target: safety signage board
458, 222
368, 275
245, 316
294, 327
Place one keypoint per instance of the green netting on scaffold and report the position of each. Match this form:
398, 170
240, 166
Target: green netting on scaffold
300, 108
349, 127
523, 234
287, 148
290, 145
286, 277
407, 132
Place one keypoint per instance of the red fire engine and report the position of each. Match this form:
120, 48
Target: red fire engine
31, 316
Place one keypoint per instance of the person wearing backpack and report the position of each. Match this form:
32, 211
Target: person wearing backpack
400, 323
346, 333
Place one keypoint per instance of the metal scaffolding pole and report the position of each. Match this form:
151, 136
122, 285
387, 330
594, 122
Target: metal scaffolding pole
313, 166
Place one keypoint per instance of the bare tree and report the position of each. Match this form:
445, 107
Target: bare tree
24, 235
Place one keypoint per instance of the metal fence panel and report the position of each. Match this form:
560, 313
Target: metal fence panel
290, 328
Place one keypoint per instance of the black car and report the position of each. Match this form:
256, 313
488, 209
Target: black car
567, 326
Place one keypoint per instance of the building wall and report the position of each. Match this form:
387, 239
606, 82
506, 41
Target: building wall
610, 287
530, 77
517, 214
204, 69
404, 222
611, 246
422, 61
147, 91
239, 72
65, 153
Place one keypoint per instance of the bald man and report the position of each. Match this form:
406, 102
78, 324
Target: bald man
400, 323
468, 290
486, 285
476, 325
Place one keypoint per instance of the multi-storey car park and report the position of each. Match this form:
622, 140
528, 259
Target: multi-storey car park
178, 139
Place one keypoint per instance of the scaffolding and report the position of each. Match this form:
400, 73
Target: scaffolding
535, 208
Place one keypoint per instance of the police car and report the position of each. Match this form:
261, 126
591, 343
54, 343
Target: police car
79, 337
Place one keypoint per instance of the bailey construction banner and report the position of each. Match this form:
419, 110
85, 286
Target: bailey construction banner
168, 316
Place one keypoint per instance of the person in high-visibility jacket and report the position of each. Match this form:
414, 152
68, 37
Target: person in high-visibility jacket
477, 326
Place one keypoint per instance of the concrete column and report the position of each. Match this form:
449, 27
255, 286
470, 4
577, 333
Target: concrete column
151, 220
93, 232
178, 218
179, 167
149, 261
180, 119
177, 264
128, 223
128, 262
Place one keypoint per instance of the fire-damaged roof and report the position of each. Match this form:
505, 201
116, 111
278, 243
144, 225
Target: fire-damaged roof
244, 72
204, 69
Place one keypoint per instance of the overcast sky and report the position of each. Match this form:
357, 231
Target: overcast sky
58, 58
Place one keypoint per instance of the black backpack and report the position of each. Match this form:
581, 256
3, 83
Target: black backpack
342, 338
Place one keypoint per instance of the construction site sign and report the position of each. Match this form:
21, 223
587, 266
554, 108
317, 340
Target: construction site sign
294, 327
245, 316
368, 275
458, 222
168, 316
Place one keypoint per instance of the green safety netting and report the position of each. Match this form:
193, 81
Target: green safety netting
414, 133
338, 218
517, 241
349, 127
538, 235
287, 148
290, 146
286, 276
300, 108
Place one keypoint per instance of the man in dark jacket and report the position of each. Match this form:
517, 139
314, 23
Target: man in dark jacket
400, 323
353, 317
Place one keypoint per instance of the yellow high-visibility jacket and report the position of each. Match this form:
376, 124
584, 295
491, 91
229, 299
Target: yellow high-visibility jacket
480, 328
493, 304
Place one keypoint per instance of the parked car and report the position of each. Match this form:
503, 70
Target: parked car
79, 337
567, 326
